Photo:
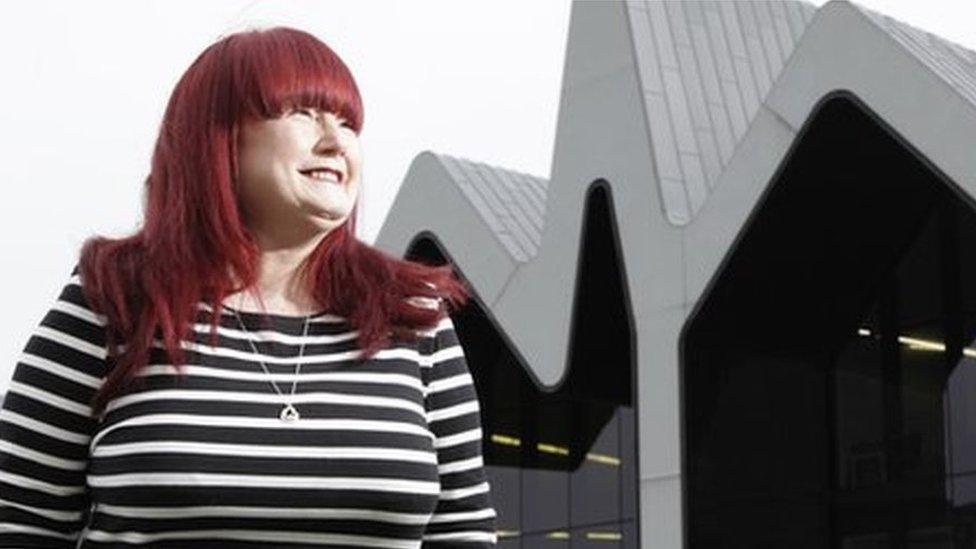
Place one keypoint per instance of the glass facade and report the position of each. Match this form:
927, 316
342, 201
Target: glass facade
562, 464
828, 371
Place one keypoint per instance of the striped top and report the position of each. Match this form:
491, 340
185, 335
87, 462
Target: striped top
387, 452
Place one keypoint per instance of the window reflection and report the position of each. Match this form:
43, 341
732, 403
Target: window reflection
562, 465
829, 373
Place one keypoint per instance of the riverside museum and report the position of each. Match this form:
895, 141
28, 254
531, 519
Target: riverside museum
741, 309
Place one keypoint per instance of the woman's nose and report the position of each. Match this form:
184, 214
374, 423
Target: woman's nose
330, 122
330, 130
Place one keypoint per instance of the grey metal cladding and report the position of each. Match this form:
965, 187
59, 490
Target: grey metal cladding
782, 26
795, 17
951, 62
754, 49
525, 204
483, 183
808, 11
456, 172
534, 192
748, 84
727, 80
510, 203
646, 53
525, 231
720, 126
705, 68
767, 31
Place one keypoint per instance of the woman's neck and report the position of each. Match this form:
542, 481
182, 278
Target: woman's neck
280, 284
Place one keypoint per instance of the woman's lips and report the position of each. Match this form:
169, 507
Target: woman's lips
324, 168
321, 180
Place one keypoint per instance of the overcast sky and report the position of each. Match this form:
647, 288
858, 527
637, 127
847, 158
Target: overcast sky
85, 85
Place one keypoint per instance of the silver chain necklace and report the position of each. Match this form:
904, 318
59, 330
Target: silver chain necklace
288, 413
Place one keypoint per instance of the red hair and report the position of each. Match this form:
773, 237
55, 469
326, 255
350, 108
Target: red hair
192, 237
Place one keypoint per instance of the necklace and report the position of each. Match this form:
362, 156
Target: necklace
288, 413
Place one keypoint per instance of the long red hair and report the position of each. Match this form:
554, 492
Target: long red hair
150, 284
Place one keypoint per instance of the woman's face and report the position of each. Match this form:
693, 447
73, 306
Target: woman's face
286, 165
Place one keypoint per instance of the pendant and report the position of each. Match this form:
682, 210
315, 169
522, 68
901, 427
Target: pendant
289, 413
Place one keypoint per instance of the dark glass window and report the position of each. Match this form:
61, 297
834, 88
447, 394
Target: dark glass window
562, 464
828, 373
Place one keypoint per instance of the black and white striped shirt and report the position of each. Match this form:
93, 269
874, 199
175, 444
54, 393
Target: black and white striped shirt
387, 452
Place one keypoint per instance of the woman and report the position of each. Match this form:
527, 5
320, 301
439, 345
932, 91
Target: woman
242, 372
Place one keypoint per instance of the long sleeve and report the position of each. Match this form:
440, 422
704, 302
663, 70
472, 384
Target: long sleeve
45, 425
465, 516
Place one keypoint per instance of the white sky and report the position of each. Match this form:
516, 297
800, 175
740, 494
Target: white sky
85, 85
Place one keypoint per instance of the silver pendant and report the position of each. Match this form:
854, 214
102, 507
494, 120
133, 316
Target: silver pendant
289, 413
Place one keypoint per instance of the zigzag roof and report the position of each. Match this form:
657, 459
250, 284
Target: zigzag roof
705, 68
668, 102
511, 203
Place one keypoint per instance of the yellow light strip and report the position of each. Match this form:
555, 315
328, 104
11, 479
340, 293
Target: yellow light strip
921, 344
552, 449
604, 536
505, 440
917, 344
558, 534
603, 458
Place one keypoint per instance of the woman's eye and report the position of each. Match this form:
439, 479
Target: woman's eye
296, 110
309, 112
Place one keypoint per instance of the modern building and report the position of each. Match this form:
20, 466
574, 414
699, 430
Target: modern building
739, 311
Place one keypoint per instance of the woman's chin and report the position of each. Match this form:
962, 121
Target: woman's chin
328, 219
